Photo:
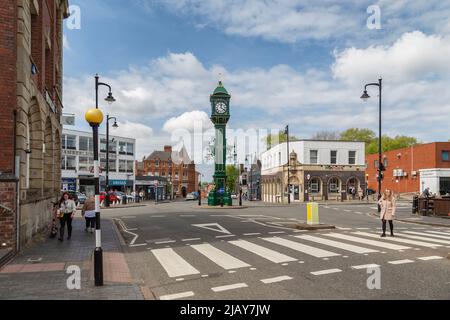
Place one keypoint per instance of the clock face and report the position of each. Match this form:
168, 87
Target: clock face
221, 107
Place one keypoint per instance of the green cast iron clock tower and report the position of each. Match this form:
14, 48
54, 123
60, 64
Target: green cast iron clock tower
220, 114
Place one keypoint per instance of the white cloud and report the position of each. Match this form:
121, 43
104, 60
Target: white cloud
188, 121
66, 43
142, 133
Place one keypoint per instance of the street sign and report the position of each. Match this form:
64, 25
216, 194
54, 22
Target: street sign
155, 182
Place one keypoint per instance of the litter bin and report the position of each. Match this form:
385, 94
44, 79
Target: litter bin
415, 206
124, 199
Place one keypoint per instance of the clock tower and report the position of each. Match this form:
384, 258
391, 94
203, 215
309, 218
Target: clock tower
220, 114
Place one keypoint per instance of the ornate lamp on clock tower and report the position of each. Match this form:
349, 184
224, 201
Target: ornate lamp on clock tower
220, 114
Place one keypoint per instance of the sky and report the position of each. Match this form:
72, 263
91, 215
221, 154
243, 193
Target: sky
297, 62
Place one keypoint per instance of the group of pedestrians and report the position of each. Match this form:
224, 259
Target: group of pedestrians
65, 211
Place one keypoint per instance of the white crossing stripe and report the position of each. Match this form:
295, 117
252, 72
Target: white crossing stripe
219, 257
177, 295
337, 244
263, 252
447, 242
229, 287
431, 258
173, 264
437, 232
401, 261
276, 279
366, 266
396, 239
428, 235
366, 241
328, 271
316, 252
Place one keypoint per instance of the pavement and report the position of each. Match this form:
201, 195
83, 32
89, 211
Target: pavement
176, 251
40, 272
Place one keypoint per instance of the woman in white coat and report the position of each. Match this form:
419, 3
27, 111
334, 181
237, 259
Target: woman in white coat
388, 207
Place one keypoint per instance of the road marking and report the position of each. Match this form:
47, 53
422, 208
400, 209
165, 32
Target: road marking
429, 235
125, 229
362, 228
263, 252
437, 232
430, 258
227, 236
358, 212
296, 231
408, 241
447, 242
229, 287
276, 279
193, 239
219, 257
137, 245
212, 227
252, 269
366, 241
165, 242
205, 276
128, 217
316, 252
232, 271
366, 266
277, 232
188, 216
252, 234
173, 264
157, 216
177, 295
337, 244
347, 210
401, 261
328, 271
179, 279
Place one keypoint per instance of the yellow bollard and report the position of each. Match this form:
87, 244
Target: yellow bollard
313, 213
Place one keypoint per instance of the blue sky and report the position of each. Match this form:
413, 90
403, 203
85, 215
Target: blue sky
284, 61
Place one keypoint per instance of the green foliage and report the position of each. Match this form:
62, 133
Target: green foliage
388, 143
232, 177
356, 134
275, 139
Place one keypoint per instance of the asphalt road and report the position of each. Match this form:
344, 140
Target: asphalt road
179, 251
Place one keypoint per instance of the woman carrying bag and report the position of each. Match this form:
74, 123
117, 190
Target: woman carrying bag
67, 210
88, 212
388, 208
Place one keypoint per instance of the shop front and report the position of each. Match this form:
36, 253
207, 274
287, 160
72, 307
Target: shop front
69, 184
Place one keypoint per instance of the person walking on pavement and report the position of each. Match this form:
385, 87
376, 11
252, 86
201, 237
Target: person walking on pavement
388, 208
67, 210
88, 212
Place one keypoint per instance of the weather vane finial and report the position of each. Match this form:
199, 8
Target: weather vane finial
220, 77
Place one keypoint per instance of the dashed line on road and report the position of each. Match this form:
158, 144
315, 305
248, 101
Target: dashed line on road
229, 287
227, 236
180, 295
193, 239
365, 266
277, 232
252, 234
166, 242
276, 279
157, 216
401, 261
431, 258
323, 272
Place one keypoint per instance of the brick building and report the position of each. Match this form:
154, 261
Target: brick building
405, 168
176, 166
30, 113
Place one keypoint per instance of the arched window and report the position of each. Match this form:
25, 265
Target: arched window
334, 185
316, 185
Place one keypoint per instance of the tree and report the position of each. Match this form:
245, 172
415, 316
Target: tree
232, 177
326, 135
388, 143
356, 134
275, 139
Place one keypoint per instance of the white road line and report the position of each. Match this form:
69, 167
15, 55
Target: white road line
177, 295
263, 252
316, 252
276, 279
157, 216
277, 232
252, 234
408, 241
229, 287
193, 239
401, 261
347, 210
124, 228
446, 242
328, 271
179, 279
362, 228
437, 232
337, 244
219, 257
165, 242
428, 235
366, 241
173, 264
188, 216
430, 258
137, 245
365, 266
358, 212
227, 236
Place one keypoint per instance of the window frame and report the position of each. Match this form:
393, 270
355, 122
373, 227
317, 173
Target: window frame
316, 157
354, 158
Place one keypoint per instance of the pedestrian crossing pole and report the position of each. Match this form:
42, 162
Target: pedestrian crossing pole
95, 117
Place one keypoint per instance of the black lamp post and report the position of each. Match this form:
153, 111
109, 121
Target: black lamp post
286, 132
115, 126
381, 168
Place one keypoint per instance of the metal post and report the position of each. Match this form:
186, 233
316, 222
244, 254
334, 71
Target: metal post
107, 203
380, 165
288, 166
98, 253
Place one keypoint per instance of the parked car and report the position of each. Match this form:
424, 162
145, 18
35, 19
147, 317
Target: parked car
192, 196
81, 198
112, 197
234, 196
371, 191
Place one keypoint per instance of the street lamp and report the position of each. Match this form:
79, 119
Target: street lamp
286, 132
95, 117
366, 97
115, 126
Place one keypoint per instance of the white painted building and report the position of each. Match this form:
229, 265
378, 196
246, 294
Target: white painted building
78, 161
438, 180
319, 169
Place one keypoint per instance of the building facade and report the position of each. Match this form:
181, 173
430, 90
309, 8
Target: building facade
318, 170
412, 169
176, 166
31, 43
77, 162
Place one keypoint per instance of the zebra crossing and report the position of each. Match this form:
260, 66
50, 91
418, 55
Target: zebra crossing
296, 248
